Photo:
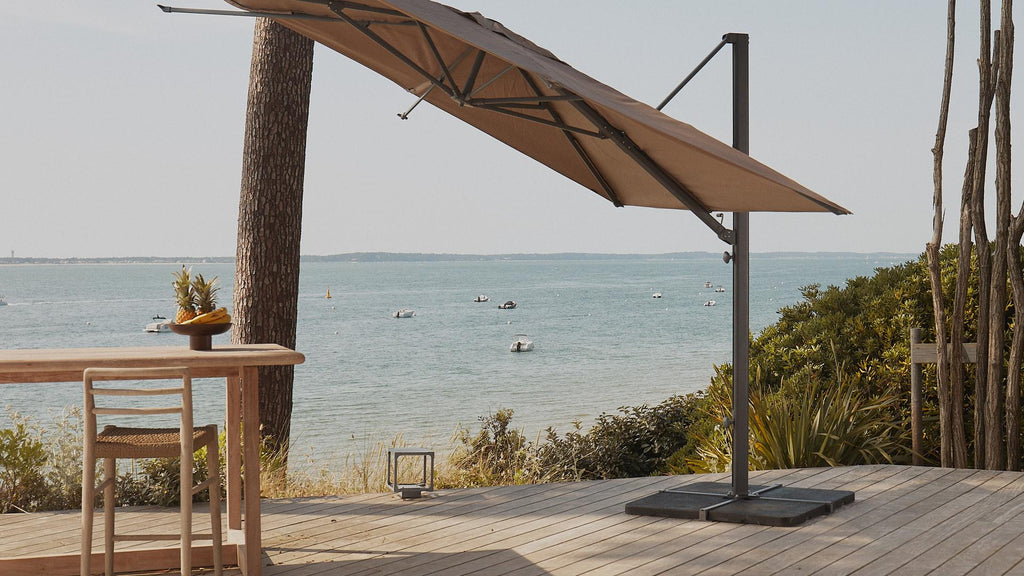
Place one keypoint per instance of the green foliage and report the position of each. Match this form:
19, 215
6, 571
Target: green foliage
809, 423
639, 441
496, 455
22, 458
860, 332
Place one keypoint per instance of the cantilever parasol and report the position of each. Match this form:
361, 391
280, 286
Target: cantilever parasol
631, 154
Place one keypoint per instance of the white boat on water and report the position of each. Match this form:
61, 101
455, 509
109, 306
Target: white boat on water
656, 295
481, 298
522, 344
2, 301
710, 303
707, 284
159, 324
508, 305
720, 289
404, 313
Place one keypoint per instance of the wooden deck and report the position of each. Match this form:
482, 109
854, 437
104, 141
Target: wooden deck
906, 520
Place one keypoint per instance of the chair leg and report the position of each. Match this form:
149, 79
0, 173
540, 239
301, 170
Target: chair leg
213, 472
88, 501
186, 516
109, 476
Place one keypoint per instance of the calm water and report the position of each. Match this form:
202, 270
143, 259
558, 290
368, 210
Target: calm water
601, 340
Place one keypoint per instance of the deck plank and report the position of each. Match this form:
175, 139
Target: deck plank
905, 520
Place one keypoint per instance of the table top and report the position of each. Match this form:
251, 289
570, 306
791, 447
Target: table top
66, 365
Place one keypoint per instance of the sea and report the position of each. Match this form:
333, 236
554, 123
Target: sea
601, 340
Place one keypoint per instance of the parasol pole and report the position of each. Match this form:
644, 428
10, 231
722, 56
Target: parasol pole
740, 273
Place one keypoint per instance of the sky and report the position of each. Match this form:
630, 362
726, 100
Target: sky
121, 130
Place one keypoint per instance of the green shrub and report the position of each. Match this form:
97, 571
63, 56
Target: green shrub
809, 423
496, 455
22, 472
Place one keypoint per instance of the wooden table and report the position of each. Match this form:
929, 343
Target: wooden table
237, 364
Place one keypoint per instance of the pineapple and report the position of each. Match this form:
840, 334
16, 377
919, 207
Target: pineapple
205, 294
184, 296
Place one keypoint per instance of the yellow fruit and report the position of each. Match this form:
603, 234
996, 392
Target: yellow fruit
218, 316
184, 316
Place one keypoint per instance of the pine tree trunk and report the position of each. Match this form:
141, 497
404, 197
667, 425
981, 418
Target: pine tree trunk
270, 211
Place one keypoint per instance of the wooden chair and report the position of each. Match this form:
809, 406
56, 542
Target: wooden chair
117, 442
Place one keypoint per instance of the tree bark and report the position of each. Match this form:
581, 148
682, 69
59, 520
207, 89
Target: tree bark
933, 248
981, 241
270, 211
963, 275
1010, 243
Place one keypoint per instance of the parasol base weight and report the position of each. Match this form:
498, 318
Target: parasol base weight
776, 505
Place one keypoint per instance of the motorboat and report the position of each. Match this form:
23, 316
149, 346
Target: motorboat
707, 284
404, 313
159, 324
508, 305
710, 303
522, 344
720, 289
481, 298
2, 301
656, 295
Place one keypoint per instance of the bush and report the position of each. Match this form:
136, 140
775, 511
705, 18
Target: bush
808, 423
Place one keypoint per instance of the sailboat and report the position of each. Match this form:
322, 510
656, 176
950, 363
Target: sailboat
328, 292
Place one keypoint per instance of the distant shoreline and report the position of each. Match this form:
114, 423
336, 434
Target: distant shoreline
425, 257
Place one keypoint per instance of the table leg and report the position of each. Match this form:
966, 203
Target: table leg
251, 444
233, 436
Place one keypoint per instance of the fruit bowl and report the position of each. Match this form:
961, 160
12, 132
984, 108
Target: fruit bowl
200, 335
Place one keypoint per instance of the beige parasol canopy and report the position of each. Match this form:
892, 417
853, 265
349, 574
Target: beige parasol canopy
482, 73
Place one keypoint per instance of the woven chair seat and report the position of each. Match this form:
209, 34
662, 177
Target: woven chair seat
119, 442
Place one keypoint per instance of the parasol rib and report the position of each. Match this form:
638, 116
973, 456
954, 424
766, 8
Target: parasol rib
339, 7
609, 192
440, 61
538, 99
630, 148
560, 126
477, 62
343, 4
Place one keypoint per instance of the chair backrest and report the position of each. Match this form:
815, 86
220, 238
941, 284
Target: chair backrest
182, 405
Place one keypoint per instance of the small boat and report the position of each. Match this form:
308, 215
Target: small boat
522, 344
710, 303
481, 298
656, 295
720, 289
159, 324
404, 313
707, 284
508, 305
328, 293
2, 301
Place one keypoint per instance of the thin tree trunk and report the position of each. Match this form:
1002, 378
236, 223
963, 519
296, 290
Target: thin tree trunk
963, 275
994, 446
270, 211
1013, 372
981, 241
1005, 220
933, 248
